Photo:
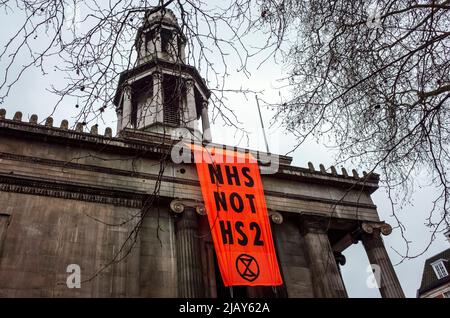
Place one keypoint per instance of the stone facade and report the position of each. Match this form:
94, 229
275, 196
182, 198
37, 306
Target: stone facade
133, 220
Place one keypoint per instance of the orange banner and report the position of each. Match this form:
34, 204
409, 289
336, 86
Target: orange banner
234, 200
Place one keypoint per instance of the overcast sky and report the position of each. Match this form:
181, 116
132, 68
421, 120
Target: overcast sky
30, 96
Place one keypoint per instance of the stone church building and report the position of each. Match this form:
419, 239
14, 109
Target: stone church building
133, 220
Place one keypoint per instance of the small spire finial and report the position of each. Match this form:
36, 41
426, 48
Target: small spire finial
34, 119
79, 127
322, 168
333, 170
49, 122
344, 172
17, 116
64, 124
94, 129
108, 132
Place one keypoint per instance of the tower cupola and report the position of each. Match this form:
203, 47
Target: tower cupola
162, 92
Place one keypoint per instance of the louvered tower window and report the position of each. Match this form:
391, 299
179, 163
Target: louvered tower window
173, 91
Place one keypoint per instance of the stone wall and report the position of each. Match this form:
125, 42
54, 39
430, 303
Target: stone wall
45, 235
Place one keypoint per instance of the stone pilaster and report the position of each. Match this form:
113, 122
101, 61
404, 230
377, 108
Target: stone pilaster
327, 281
189, 266
119, 119
190, 113
389, 284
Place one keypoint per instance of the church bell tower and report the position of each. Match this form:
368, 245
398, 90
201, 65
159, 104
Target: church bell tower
162, 93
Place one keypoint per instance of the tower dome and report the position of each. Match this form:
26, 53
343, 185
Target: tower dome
165, 15
160, 37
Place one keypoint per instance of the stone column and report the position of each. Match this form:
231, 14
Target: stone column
119, 120
327, 281
389, 284
189, 266
205, 123
126, 108
157, 100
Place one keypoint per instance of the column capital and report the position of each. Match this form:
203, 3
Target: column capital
126, 87
371, 233
205, 104
376, 228
190, 83
126, 91
157, 75
314, 224
276, 217
179, 205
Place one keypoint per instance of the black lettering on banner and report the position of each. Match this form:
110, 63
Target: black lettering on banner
246, 172
215, 173
227, 232
239, 206
244, 239
250, 198
232, 175
221, 201
257, 241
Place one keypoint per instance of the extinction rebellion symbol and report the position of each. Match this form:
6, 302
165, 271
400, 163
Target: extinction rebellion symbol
247, 267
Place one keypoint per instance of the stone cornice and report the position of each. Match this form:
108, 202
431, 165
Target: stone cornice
150, 145
154, 177
94, 168
72, 191
182, 68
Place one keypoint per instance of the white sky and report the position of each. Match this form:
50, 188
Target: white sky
30, 96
